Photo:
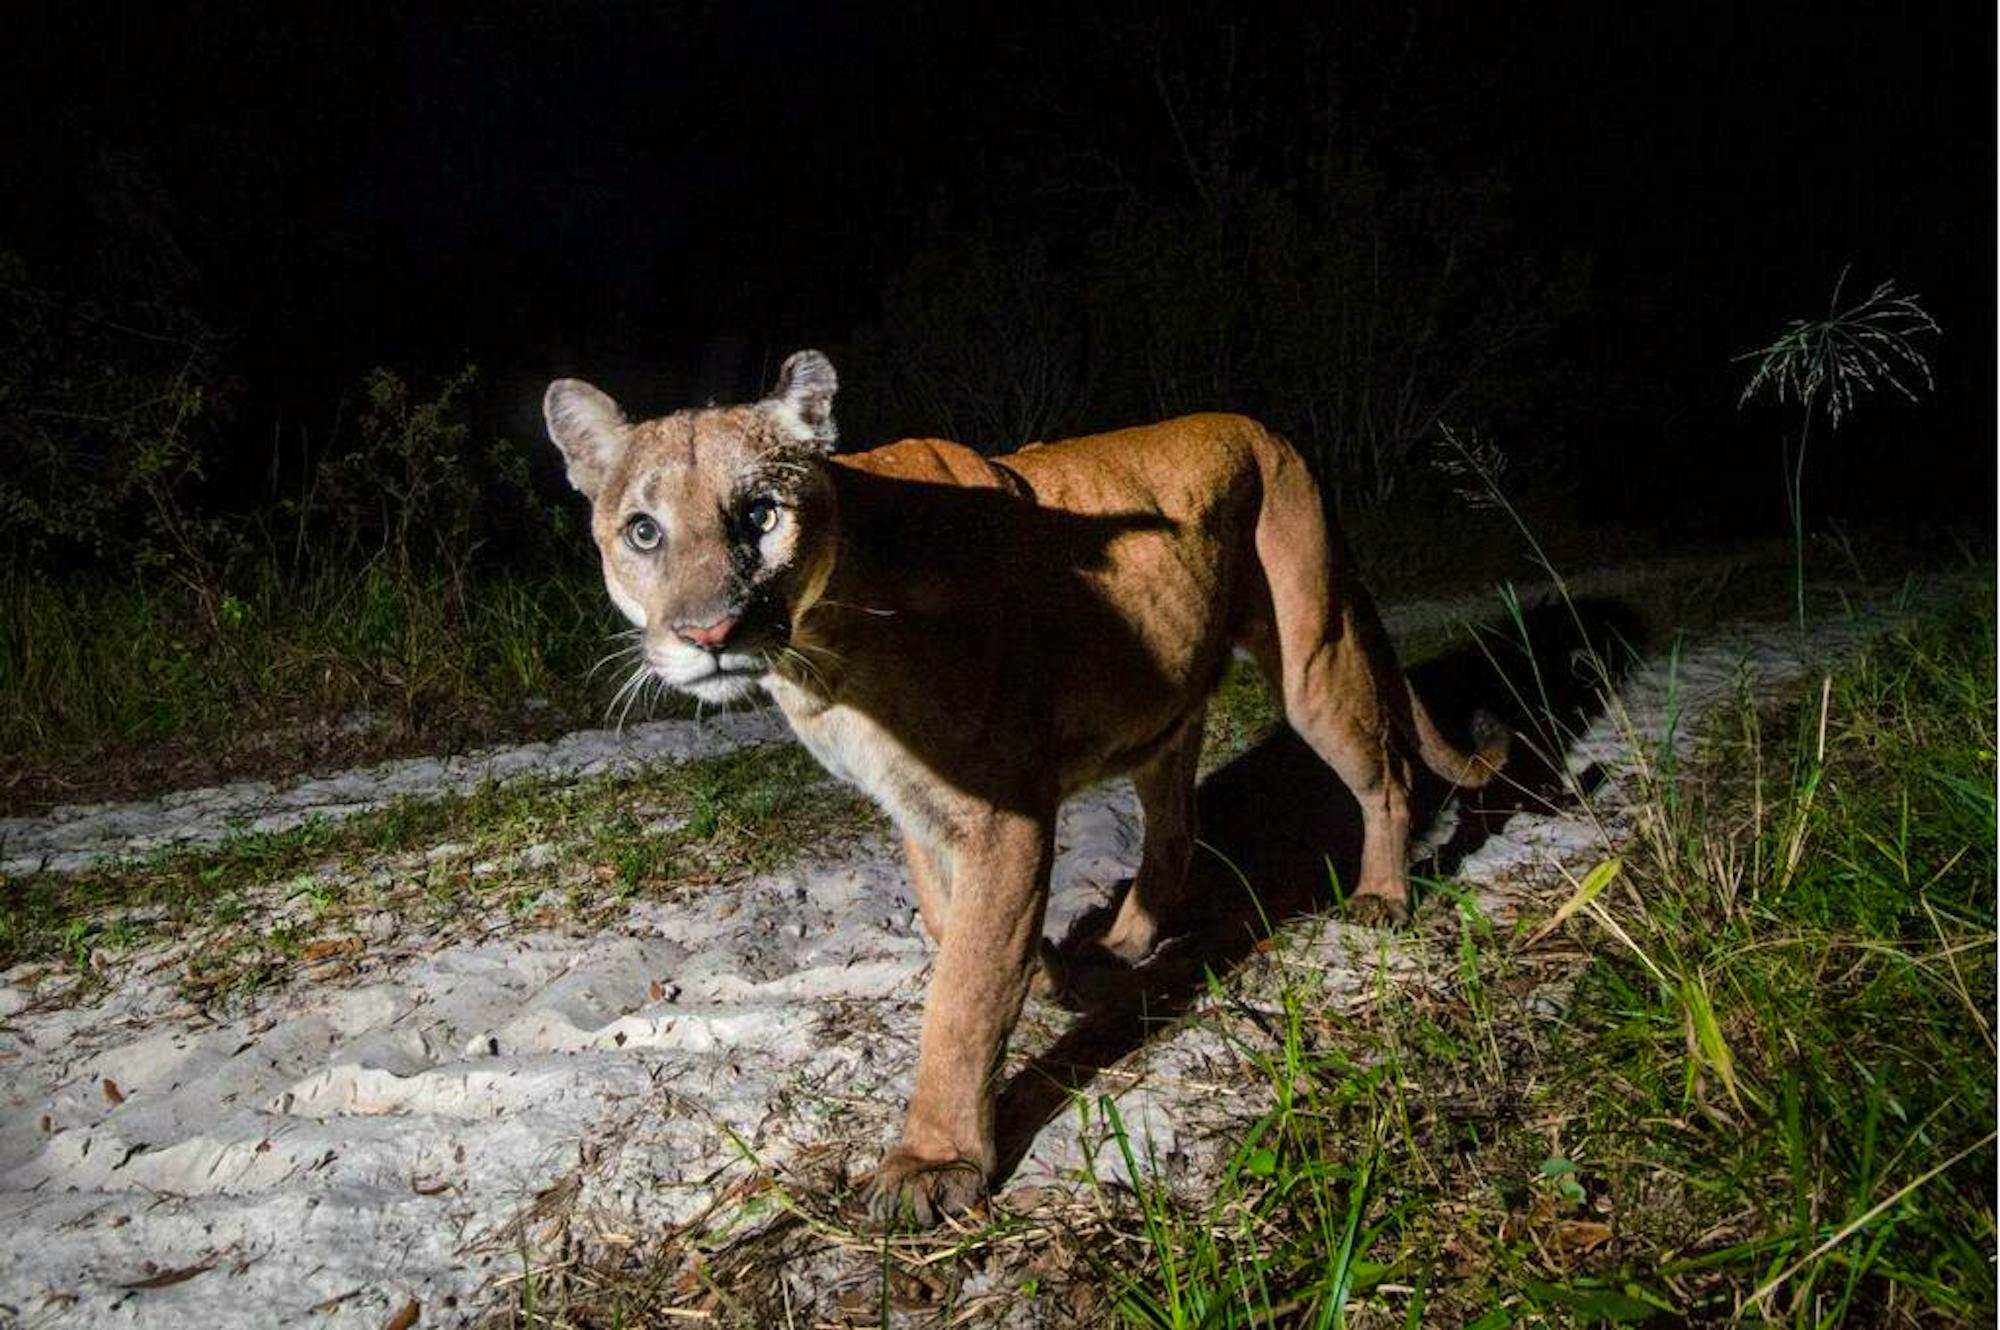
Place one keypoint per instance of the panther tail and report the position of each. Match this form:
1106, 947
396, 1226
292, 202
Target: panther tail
1451, 763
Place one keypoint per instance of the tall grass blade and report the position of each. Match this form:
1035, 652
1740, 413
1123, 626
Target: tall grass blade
1595, 881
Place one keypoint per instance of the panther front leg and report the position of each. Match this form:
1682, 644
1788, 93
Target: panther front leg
985, 965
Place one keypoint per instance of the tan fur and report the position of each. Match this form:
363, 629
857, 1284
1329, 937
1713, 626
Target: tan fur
970, 641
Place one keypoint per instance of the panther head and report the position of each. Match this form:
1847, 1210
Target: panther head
715, 526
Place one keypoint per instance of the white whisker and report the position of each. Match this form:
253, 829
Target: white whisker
631, 695
628, 692
814, 649
859, 609
632, 643
811, 670
602, 661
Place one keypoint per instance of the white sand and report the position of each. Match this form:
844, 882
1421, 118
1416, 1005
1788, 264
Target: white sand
338, 1150
78, 835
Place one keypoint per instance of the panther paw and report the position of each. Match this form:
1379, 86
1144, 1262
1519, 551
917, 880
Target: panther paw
910, 1189
1375, 910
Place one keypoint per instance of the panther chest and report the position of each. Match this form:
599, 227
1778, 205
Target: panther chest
857, 750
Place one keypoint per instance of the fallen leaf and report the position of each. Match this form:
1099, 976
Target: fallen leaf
1582, 1235
405, 1318
166, 1278
321, 1308
112, 1092
329, 946
656, 991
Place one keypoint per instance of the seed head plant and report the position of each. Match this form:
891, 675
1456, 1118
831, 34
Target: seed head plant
1826, 365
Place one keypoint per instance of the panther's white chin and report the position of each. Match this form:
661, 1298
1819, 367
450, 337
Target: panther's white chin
721, 687
713, 678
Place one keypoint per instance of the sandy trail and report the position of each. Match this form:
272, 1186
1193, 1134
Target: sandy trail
334, 1152
79, 835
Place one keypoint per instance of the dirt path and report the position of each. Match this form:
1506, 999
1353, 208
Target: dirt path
333, 1153
79, 835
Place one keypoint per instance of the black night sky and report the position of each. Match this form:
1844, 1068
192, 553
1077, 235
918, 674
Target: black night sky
666, 198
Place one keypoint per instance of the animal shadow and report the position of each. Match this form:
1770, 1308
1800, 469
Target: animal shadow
1278, 829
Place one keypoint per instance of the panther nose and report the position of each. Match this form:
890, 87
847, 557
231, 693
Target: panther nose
709, 637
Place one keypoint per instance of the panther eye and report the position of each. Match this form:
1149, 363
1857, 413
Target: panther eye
761, 515
642, 533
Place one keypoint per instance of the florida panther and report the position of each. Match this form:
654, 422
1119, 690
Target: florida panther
970, 640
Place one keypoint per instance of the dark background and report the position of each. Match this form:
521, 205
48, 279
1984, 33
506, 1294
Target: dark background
1558, 224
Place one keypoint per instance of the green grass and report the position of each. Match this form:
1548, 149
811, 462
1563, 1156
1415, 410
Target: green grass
1819, 1025
110, 688
1286, 1235
256, 904
1768, 1098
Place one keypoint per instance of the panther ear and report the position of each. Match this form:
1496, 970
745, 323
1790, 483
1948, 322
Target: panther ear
589, 428
802, 403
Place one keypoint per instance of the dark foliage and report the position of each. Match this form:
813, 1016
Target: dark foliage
1357, 223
